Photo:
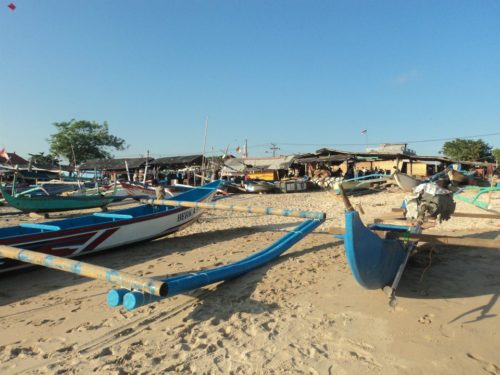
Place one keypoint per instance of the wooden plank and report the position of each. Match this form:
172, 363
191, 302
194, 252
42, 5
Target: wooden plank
477, 216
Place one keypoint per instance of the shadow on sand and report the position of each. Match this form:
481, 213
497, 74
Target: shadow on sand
446, 272
235, 296
34, 281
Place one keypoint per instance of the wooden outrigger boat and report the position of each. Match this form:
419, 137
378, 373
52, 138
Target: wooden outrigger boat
259, 186
102, 231
134, 291
457, 176
373, 261
44, 204
377, 254
405, 182
362, 183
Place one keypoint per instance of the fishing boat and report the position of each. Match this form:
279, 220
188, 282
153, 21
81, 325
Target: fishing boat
103, 230
373, 261
457, 176
254, 186
405, 182
44, 204
170, 191
358, 184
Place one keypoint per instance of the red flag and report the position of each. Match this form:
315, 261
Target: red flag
12, 6
3, 154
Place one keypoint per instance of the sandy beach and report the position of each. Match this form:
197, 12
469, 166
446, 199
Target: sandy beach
301, 314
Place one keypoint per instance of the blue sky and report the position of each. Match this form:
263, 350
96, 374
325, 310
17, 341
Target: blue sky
302, 74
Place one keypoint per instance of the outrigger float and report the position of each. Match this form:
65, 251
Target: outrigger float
133, 291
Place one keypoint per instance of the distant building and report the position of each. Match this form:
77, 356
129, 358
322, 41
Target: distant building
392, 148
15, 159
270, 169
382, 159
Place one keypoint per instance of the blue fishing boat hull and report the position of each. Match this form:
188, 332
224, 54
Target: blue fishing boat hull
101, 231
373, 261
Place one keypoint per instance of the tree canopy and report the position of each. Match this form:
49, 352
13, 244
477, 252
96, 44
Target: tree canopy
496, 154
79, 141
43, 159
467, 150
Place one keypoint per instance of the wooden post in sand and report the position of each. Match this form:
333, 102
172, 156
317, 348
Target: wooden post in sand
151, 286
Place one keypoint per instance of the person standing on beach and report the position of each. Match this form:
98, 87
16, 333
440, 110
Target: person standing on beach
159, 190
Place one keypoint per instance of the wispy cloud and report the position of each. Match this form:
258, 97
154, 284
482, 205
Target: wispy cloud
407, 77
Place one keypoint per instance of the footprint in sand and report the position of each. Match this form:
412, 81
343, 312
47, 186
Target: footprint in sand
21, 352
426, 319
103, 353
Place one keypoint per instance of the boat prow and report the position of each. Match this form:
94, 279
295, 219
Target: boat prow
405, 182
373, 261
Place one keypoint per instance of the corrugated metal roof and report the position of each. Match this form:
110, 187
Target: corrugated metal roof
115, 164
247, 164
183, 160
334, 158
381, 155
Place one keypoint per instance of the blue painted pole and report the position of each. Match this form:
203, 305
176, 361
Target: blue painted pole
186, 282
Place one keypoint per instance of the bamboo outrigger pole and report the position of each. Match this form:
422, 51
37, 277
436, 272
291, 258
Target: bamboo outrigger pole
123, 279
248, 209
433, 239
458, 214
448, 240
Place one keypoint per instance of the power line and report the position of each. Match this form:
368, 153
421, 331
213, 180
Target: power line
377, 143
267, 145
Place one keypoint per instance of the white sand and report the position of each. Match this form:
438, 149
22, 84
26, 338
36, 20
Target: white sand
303, 313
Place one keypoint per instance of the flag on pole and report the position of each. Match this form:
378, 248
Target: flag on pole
364, 131
12, 6
4, 154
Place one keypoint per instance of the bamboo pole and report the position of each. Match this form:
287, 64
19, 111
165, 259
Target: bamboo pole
247, 209
126, 280
447, 240
477, 216
461, 214
434, 239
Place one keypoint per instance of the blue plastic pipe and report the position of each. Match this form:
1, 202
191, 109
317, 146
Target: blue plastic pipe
186, 282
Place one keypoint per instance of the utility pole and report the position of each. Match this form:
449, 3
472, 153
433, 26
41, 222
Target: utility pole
203, 159
274, 147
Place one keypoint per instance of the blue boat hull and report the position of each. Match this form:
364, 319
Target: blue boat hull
372, 260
